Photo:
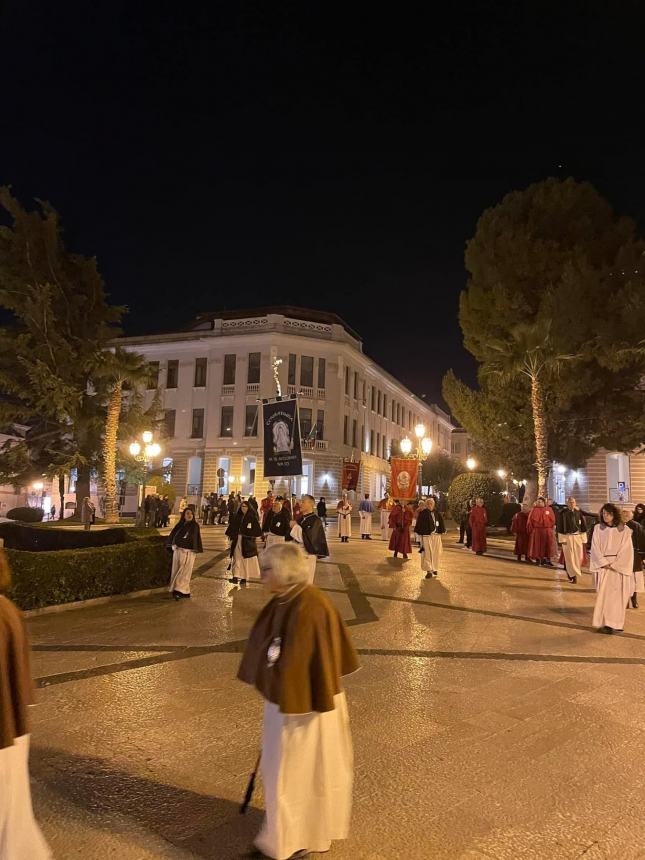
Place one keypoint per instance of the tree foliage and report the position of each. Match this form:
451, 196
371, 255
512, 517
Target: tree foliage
555, 278
439, 470
473, 485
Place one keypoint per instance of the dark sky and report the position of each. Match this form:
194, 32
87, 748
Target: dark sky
223, 155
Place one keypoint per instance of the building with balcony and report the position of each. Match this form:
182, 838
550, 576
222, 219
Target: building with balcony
213, 376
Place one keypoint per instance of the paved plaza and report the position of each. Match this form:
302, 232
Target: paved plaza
489, 720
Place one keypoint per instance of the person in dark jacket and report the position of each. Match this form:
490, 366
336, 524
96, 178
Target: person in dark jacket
321, 510
430, 526
572, 535
638, 541
276, 525
463, 521
242, 532
310, 534
186, 541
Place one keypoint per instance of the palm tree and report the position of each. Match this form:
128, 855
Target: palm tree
120, 368
530, 352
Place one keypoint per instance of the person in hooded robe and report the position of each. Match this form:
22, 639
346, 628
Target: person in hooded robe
400, 521
20, 836
276, 525
344, 513
518, 527
365, 511
242, 533
430, 526
385, 506
185, 540
296, 656
612, 566
478, 520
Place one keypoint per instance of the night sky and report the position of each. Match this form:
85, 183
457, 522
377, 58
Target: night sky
225, 155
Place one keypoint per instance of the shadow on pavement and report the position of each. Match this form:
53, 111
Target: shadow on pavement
209, 827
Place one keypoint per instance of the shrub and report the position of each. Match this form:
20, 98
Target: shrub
471, 486
48, 578
26, 515
37, 539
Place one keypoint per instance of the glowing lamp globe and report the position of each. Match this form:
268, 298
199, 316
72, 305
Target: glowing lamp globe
426, 446
471, 463
38, 485
420, 431
501, 473
406, 446
135, 449
153, 450
147, 436
562, 470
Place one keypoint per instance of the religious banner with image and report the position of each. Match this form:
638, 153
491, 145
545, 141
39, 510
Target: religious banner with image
351, 472
404, 478
282, 452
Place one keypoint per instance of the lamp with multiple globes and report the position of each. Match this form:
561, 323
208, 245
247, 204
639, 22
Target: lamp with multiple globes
144, 454
424, 447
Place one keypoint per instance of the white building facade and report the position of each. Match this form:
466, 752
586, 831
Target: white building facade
213, 377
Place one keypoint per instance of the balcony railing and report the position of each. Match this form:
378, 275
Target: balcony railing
253, 388
306, 391
228, 389
315, 444
194, 489
321, 394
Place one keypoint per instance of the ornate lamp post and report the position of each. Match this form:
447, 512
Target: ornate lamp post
144, 455
424, 447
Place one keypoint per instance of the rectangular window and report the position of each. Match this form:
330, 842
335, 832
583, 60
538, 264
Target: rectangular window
172, 373
384, 413
321, 373
197, 431
169, 423
363, 438
378, 403
229, 369
393, 411
320, 424
153, 374
347, 380
355, 386
377, 452
364, 391
291, 376
409, 419
371, 451
354, 433
226, 425
251, 421
253, 374
345, 430
373, 398
307, 371
398, 413
305, 422
200, 372
384, 448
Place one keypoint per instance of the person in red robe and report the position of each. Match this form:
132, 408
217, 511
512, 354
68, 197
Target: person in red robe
540, 526
478, 519
399, 521
518, 527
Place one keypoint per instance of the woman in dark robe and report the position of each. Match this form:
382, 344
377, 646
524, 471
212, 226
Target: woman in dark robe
185, 540
242, 531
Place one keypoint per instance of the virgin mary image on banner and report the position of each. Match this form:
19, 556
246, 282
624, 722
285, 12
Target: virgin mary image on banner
281, 438
282, 452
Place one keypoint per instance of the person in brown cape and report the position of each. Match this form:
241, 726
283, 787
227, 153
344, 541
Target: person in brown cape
20, 836
296, 655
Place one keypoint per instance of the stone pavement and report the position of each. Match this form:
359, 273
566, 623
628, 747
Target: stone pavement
489, 720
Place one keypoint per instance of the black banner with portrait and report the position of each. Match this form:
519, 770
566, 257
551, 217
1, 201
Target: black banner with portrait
282, 451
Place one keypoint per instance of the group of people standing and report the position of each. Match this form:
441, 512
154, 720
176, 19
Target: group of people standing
156, 509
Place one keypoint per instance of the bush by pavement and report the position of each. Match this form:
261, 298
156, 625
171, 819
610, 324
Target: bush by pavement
472, 486
37, 539
26, 515
47, 578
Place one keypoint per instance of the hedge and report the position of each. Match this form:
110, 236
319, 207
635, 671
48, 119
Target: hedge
471, 486
48, 578
26, 515
38, 539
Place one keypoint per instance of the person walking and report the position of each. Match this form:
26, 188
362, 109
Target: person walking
638, 539
88, 512
321, 510
52, 512
310, 534
185, 540
612, 566
463, 521
639, 513
540, 526
400, 521
20, 835
519, 529
276, 526
164, 511
242, 531
385, 506
266, 504
430, 526
344, 512
478, 520
572, 536
296, 656
365, 511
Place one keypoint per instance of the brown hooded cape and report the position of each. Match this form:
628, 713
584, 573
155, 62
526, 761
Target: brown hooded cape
15, 677
315, 652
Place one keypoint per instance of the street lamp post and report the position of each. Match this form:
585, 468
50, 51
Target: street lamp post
424, 447
144, 455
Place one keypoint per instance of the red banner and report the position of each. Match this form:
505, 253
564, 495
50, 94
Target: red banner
351, 471
404, 478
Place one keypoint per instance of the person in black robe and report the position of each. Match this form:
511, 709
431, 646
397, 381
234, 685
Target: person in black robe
310, 533
242, 531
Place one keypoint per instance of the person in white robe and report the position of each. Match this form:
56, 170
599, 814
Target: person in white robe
385, 506
429, 526
611, 563
365, 511
20, 835
344, 512
297, 653
572, 536
185, 541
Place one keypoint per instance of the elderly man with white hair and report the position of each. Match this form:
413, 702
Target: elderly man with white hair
297, 653
310, 534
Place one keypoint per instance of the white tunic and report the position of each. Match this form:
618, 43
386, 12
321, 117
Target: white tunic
431, 555
345, 521
612, 546
183, 561
385, 530
307, 772
244, 568
20, 836
366, 522
271, 539
296, 534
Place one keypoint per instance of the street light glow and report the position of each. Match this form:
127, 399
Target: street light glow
426, 446
471, 463
562, 470
135, 449
501, 473
38, 485
153, 450
406, 445
420, 431
147, 436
